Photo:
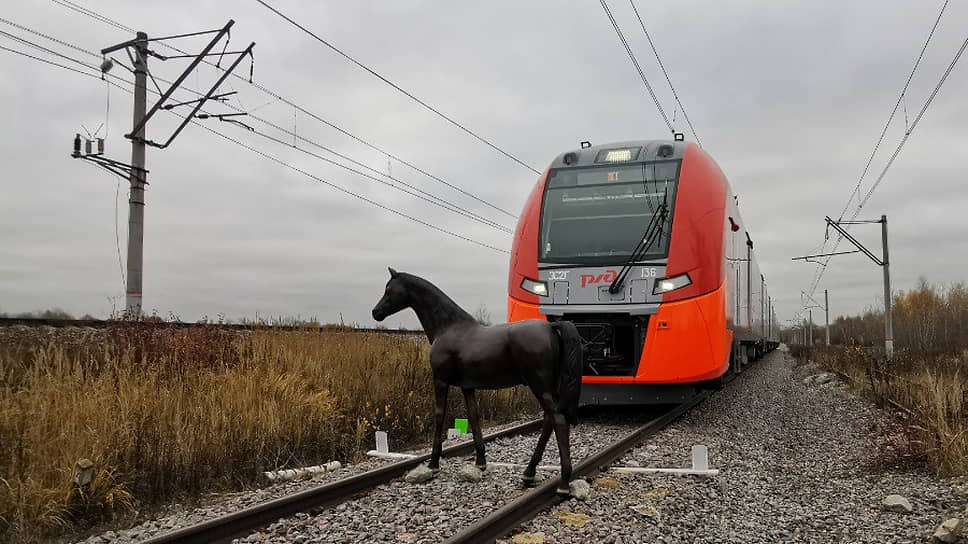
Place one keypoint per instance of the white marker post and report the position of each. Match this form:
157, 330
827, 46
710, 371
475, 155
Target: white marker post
382, 450
700, 466
382, 442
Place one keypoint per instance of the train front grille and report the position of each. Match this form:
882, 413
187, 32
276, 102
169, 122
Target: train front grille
613, 342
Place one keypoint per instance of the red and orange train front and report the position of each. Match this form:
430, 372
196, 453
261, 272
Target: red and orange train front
629, 241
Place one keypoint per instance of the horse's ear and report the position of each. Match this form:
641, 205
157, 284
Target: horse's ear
393, 273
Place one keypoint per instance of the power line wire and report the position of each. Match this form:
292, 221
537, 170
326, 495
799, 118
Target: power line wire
900, 99
416, 191
897, 151
351, 193
914, 124
666, 74
93, 14
27, 42
429, 197
436, 200
116, 230
106, 20
821, 268
51, 38
380, 150
398, 88
635, 63
52, 63
456, 210
283, 163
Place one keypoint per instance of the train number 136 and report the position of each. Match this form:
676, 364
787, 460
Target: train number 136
648, 272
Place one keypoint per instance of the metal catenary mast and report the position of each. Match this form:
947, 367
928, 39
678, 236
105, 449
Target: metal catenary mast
138, 51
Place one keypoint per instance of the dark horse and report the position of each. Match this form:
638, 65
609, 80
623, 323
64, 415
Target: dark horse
547, 357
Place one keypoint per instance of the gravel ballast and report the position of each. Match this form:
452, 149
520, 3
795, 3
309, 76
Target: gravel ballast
795, 459
797, 464
431, 511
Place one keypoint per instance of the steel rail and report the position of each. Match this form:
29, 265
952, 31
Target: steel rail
503, 520
104, 323
241, 522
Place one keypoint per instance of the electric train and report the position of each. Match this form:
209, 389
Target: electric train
642, 246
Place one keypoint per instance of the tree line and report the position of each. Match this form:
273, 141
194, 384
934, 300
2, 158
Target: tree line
928, 318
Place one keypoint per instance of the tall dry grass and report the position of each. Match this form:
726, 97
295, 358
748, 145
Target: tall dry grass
167, 413
929, 390
926, 380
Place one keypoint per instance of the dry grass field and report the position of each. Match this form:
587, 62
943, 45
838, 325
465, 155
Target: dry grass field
168, 413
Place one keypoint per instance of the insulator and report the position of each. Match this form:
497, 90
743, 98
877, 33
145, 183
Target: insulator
77, 144
100, 146
87, 147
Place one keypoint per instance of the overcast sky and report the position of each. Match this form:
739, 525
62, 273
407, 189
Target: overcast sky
788, 97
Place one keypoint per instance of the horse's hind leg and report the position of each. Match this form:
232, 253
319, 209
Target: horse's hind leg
474, 415
562, 430
440, 412
532, 467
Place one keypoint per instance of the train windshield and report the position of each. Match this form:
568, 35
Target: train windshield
597, 215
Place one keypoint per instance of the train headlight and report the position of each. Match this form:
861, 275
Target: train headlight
664, 285
539, 288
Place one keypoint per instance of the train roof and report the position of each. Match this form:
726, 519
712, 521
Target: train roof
643, 150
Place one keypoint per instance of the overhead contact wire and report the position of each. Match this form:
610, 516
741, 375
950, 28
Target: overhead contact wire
281, 162
431, 198
635, 63
822, 267
398, 88
900, 99
90, 13
666, 74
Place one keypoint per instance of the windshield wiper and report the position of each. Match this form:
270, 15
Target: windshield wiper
652, 233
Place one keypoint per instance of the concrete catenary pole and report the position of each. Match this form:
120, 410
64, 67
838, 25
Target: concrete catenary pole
888, 320
810, 330
826, 316
138, 180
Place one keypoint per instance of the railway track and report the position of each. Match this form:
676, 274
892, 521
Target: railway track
239, 523
104, 323
529, 505
499, 522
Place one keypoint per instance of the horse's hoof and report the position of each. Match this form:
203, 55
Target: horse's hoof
527, 481
481, 468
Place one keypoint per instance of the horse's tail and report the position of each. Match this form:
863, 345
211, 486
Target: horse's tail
569, 373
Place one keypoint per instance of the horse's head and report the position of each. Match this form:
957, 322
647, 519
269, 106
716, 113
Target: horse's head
395, 298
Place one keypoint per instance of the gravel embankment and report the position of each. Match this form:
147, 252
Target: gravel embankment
432, 511
176, 516
797, 465
795, 459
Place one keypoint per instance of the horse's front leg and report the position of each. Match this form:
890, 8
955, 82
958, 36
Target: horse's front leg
474, 415
440, 412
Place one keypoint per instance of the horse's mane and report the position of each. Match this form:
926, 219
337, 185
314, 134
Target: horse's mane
434, 308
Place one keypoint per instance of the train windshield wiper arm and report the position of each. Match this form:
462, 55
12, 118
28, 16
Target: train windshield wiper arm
652, 232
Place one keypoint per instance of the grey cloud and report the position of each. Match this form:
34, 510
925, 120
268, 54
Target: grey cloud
787, 97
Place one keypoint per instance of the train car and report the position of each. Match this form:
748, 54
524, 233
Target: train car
642, 246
